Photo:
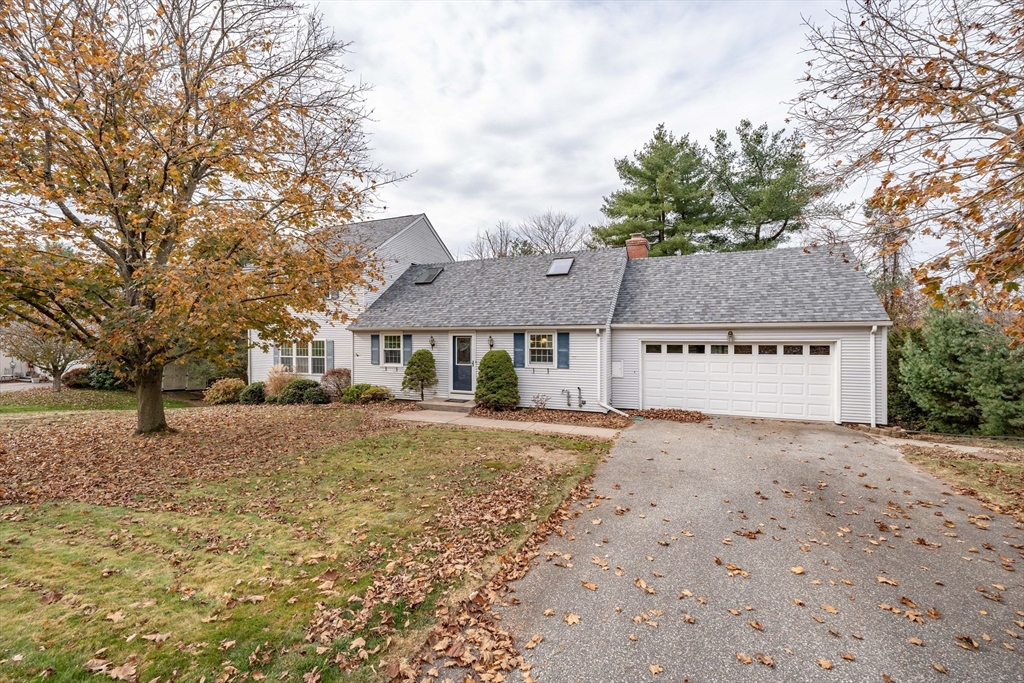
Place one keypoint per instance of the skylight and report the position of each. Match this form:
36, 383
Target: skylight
428, 275
560, 266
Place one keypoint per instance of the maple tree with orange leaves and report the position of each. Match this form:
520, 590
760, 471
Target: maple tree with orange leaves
926, 99
171, 173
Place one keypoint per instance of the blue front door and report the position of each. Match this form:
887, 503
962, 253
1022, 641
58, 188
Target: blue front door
462, 365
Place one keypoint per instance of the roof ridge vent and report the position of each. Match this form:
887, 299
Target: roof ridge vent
560, 266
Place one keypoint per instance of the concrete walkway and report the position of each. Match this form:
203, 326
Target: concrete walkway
461, 420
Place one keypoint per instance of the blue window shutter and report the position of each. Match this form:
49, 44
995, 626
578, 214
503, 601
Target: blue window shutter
519, 349
406, 348
563, 349
375, 349
329, 354
277, 355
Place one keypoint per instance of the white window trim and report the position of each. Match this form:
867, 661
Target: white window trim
293, 345
554, 349
401, 349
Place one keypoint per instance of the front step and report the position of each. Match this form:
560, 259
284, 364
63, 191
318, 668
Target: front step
451, 405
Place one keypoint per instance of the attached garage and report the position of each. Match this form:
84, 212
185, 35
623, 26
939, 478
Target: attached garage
782, 333
781, 380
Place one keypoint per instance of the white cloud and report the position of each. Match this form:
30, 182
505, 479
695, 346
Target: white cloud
503, 110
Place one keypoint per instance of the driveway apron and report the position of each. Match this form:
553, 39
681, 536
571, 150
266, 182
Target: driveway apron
810, 551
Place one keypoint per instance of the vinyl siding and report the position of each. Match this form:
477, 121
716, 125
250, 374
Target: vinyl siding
415, 244
854, 371
533, 381
261, 361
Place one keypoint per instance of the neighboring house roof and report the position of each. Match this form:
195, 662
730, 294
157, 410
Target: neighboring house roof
371, 235
791, 285
502, 292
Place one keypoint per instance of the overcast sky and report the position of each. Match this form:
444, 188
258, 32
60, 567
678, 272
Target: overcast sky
502, 110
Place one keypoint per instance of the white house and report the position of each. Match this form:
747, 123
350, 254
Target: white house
398, 243
784, 333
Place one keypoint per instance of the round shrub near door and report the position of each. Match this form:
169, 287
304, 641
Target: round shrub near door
295, 390
497, 385
420, 372
374, 394
252, 395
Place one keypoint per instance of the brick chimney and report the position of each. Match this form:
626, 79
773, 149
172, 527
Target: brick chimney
637, 246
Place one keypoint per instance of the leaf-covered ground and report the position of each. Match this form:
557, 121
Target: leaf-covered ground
292, 543
995, 476
44, 399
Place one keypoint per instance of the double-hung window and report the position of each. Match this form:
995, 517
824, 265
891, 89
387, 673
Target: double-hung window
392, 349
542, 349
304, 359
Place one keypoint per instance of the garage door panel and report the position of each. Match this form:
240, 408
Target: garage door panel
797, 386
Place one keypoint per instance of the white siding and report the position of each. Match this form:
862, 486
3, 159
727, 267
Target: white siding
854, 369
261, 361
550, 381
417, 243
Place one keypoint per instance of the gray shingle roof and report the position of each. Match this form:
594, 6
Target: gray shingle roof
773, 286
502, 292
371, 234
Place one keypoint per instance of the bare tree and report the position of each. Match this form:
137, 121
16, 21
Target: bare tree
42, 349
553, 232
926, 99
499, 242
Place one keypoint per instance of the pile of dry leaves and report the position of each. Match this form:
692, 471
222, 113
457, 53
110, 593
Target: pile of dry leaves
570, 417
100, 461
672, 414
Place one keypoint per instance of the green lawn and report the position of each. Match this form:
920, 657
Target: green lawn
224, 577
44, 399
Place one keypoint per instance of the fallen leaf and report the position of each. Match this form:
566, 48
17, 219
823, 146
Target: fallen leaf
755, 625
534, 641
825, 664
916, 641
125, 672
655, 669
571, 618
848, 656
549, 612
744, 659
115, 616
589, 586
887, 581
765, 659
830, 609
688, 619
797, 570
938, 667
157, 637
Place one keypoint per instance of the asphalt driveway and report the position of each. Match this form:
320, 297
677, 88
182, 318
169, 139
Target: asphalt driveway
811, 547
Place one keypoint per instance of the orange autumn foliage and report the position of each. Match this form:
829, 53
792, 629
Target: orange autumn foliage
172, 174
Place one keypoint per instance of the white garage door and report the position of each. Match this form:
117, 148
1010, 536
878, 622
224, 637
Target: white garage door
762, 380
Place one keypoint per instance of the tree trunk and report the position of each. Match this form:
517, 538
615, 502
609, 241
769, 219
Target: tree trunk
56, 381
149, 392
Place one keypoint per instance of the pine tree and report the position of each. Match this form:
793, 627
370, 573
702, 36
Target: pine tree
667, 196
420, 372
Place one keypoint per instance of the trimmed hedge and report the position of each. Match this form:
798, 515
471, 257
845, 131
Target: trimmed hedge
295, 391
315, 395
252, 395
353, 393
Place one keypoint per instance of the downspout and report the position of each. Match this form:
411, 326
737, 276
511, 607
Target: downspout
874, 398
600, 396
